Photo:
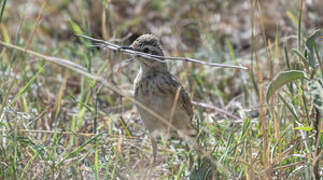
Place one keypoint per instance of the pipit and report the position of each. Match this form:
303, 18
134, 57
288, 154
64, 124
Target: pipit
160, 92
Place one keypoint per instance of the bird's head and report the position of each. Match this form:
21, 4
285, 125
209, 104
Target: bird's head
149, 44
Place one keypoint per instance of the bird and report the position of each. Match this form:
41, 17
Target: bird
160, 92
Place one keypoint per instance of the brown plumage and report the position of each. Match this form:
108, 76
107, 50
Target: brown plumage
156, 88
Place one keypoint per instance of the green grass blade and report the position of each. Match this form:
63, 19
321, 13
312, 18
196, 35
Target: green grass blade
289, 107
124, 125
310, 43
301, 58
299, 28
77, 150
2, 9
29, 163
180, 172
24, 89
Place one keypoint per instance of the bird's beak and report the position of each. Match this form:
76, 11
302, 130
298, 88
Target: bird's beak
126, 47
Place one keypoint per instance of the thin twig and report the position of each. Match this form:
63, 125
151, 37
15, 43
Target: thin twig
174, 107
155, 57
77, 68
75, 133
209, 106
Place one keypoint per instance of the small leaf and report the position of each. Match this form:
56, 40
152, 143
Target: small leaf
231, 49
125, 127
310, 47
5, 35
304, 128
292, 17
76, 28
281, 79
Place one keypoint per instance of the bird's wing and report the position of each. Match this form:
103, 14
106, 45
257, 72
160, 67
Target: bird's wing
169, 85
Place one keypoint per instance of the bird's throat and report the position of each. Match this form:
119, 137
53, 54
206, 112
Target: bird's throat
152, 67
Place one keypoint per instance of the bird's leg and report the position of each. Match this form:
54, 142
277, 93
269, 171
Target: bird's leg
154, 145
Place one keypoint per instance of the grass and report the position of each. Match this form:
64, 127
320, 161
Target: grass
60, 121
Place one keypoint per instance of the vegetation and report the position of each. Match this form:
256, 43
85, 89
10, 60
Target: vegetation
65, 103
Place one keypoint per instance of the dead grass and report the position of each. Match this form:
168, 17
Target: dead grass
57, 122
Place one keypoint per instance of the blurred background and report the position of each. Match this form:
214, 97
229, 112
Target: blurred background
58, 124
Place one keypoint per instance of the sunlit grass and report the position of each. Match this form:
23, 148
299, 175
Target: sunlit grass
60, 123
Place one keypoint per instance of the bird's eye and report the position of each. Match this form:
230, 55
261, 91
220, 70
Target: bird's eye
146, 50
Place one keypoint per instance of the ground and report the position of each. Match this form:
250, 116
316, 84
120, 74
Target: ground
59, 123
